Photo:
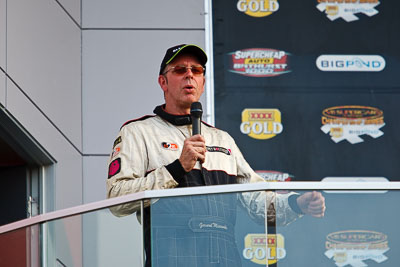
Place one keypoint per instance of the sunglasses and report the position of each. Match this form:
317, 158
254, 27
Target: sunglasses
180, 70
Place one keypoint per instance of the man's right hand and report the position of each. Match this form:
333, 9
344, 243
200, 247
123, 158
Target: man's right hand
194, 149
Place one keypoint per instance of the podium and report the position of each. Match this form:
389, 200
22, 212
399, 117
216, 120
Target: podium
226, 225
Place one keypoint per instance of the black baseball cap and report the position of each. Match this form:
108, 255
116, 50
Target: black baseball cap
183, 49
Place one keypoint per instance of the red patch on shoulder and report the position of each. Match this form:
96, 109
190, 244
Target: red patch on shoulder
114, 167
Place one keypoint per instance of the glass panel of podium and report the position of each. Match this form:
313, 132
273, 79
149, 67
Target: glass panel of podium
256, 228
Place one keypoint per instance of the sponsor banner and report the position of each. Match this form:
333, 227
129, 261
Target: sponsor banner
351, 122
261, 123
373, 63
259, 247
259, 62
275, 176
354, 247
347, 9
257, 8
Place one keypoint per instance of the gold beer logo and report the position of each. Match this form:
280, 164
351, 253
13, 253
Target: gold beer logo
353, 247
350, 122
261, 123
258, 248
258, 8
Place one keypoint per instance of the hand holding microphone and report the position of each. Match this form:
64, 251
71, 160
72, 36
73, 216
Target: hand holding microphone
196, 111
194, 148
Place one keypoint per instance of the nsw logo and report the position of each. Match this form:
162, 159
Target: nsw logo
368, 63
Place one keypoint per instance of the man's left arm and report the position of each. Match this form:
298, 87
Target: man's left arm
281, 208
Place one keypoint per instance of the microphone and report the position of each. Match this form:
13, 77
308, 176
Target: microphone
195, 113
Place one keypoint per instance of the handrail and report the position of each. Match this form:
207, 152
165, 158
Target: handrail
201, 190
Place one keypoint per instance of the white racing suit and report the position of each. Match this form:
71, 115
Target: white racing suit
145, 157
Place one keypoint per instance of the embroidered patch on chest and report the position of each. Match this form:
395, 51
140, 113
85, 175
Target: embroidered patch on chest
169, 146
219, 149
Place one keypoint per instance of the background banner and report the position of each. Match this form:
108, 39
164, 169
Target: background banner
310, 89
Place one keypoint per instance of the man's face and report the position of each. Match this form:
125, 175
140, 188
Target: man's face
181, 90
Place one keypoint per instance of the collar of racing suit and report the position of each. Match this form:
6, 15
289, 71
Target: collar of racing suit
174, 119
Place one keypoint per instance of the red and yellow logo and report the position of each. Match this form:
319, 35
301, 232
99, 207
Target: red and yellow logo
259, 247
258, 8
351, 122
261, 123
259, 62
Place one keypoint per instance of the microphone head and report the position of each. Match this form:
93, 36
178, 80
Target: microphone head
196, 110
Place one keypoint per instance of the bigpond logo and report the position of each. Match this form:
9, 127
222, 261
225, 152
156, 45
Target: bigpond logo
353, 247
369, 63
257, 8
259, 62
350, 122
261, 123
347, 9
259, 248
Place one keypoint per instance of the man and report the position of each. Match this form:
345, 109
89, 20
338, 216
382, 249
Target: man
159, 152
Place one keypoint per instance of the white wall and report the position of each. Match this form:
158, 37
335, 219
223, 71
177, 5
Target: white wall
43, 48
123, 43
72, 87
72, 8
43, 57
156, 14
78, 70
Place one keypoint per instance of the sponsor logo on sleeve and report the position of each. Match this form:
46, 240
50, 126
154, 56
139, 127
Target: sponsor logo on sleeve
259, 248
368, 63
354, 247
114, 167
117, 141
257, 8
169, 146
259, 62
115, 152
224, 150
347, 9
261, 123
351, 122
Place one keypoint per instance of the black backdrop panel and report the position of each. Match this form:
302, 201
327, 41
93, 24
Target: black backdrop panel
305, 34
